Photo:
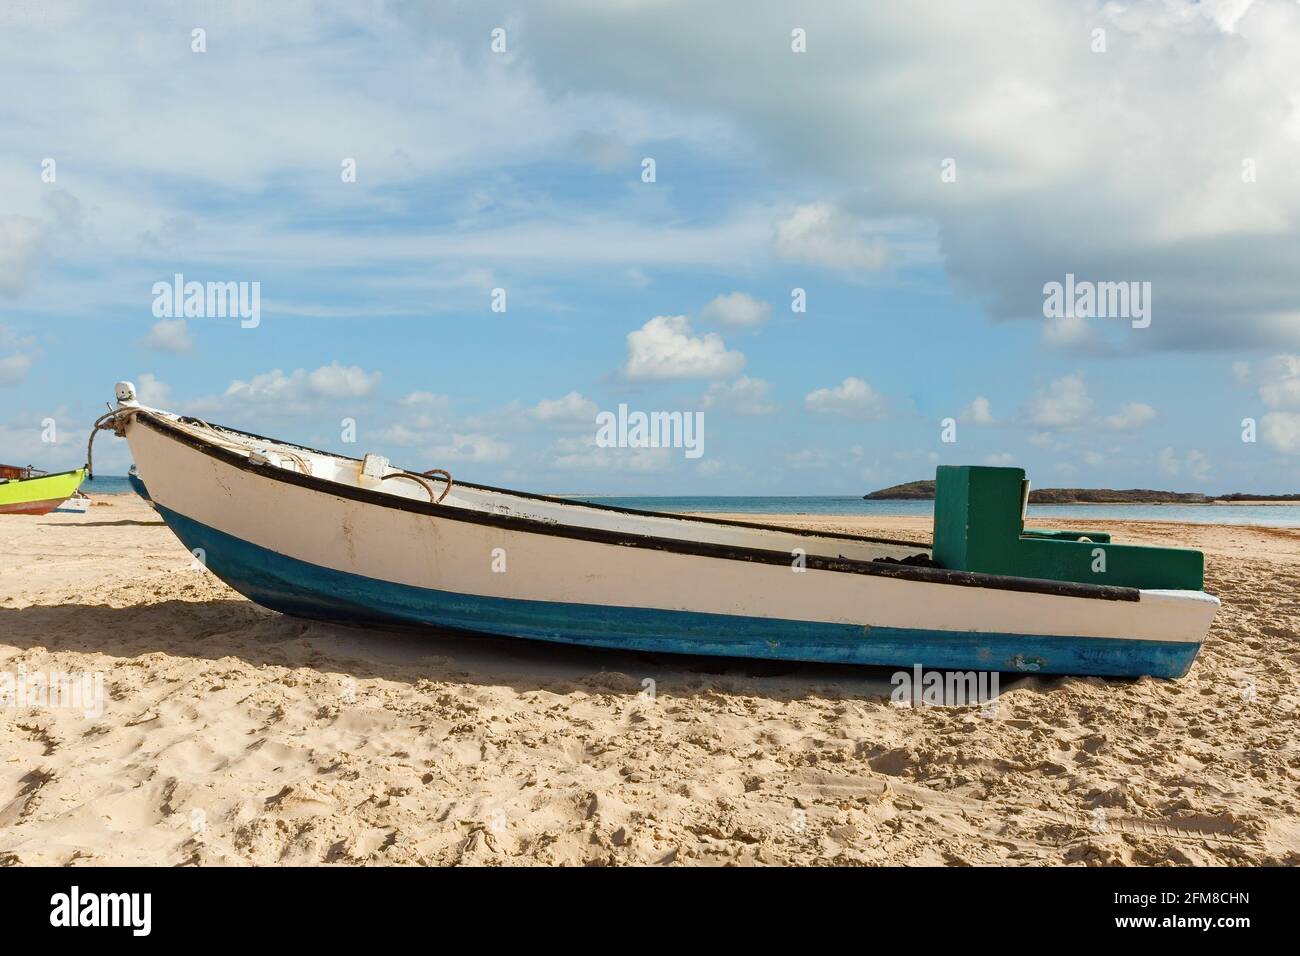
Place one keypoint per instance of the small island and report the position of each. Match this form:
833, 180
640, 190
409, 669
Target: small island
924, 491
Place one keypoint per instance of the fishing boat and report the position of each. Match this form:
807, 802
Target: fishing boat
30, 491
320, 535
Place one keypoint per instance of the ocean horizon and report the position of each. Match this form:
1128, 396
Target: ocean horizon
1278, 516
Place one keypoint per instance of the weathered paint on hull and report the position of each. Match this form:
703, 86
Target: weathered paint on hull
32, 507
300, 588
311, 546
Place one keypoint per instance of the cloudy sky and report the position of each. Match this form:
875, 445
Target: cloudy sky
912, 174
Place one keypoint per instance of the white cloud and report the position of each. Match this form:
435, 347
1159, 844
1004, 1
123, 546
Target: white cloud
10, 339
442, 440
1001, 459
427, 400
1241, 373
14, 368
581, 453
296, 392
1198, 465
399, 434
150, 390
1280, 382
1063, 404
25, 441
852, 398
665, 349
135, 212
605, 153
1225, 13
869, 129
978, 412
470, 447
570, 409
744, 396
1069, 331
1194, 464
337, 381
808, 458
820, 234
1281, 431
1131, 416
473, 95
170, 335
873, 130
737, 308
1167, 461
268, 386
21, 238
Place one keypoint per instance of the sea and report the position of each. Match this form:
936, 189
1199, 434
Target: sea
1279, 516
106, 485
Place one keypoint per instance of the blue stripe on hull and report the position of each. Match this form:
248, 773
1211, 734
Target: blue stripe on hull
137, 485
308, 590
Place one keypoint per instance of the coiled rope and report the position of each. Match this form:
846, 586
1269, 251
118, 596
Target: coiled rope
412, 476
115, 421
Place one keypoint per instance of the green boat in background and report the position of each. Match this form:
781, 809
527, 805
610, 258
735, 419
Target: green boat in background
28, 491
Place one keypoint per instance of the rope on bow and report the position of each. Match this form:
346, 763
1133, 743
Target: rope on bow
115, 421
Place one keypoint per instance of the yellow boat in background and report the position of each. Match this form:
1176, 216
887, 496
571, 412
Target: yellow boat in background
26, 491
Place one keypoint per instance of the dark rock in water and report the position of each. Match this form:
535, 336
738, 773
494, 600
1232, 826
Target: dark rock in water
1264, 499
911, 491
1108, 496
924, 491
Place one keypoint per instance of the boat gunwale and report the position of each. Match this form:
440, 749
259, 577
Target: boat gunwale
619, 509
52, 474
154, 420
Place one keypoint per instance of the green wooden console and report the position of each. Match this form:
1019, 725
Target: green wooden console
979, 526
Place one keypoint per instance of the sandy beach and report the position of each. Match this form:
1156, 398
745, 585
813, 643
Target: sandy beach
230, 734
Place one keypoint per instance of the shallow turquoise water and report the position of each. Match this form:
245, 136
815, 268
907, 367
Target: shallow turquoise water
106, 485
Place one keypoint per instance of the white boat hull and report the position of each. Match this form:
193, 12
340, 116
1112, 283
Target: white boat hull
348, 547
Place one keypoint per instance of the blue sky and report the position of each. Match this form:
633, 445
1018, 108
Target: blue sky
1167, 151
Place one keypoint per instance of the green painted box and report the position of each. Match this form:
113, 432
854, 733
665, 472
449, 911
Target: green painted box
979, 526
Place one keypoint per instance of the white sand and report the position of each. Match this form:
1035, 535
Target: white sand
231, 734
